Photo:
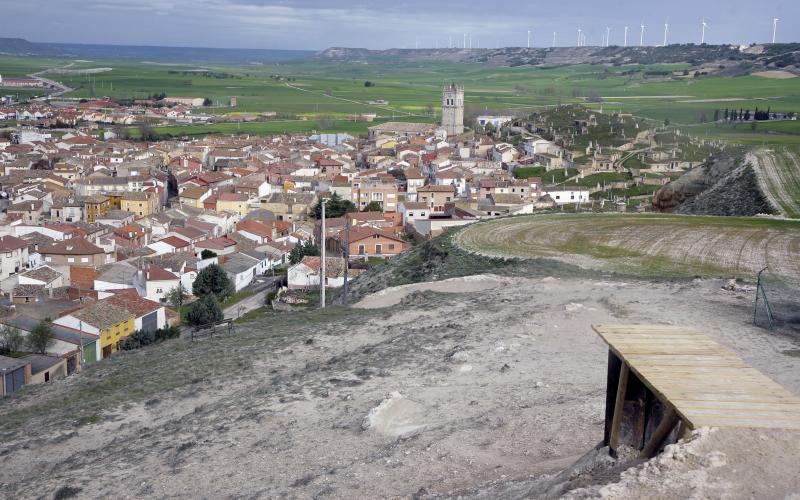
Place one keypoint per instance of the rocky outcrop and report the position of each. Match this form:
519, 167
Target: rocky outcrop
721, 186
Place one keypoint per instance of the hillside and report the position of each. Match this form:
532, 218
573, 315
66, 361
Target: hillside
778, 56
21, 47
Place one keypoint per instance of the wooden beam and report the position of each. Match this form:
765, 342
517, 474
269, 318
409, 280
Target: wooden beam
616, 422
660, 434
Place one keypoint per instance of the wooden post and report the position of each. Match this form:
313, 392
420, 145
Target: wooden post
612, 381
616, 423
660, 434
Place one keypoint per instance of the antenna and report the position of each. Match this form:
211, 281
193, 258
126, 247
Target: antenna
666, 29
774, 28
641, 37
625, 43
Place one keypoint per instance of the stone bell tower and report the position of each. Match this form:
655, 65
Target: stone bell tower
453, 109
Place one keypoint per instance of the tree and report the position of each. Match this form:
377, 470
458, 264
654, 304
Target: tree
207, 254
41, 337
373, 206
369, 84
10, 340
716, 115
301, 250
212, 280
336, 206
747, 115
727, 114
398, 174
176, 297
207, 102
204, 311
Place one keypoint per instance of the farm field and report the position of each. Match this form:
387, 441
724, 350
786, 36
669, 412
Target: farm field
313, 89
646, 246
778, 171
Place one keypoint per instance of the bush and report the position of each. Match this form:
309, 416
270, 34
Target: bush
204, 312
41, 337
207, 254
141, 338
10, 340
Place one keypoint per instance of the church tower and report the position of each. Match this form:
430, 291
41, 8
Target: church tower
453, 109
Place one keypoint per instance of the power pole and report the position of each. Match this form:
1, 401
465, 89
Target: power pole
322, 260
346, 255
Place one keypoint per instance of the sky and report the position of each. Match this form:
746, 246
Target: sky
376, 24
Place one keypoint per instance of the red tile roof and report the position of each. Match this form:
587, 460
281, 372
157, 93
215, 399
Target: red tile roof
9, 243
174, 241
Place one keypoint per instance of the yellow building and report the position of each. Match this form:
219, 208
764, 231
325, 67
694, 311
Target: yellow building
96, 205
110, 322
233, 202
139, 204
194, 196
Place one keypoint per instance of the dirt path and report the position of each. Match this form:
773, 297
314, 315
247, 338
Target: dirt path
778, 172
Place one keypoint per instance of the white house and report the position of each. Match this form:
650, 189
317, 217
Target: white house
157, 282
241, 269
306, 273
567, 196
13, 256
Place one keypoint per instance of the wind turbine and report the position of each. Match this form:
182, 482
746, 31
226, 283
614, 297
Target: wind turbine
608, 36
529, 38
554, 39
641, 37
666, 30
579, 36
774, 28
703, 37
626, 37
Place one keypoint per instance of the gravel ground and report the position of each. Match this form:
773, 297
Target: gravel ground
446, 394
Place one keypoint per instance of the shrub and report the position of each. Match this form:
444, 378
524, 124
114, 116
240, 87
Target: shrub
141, 338
10, 340
204, 311
41, 337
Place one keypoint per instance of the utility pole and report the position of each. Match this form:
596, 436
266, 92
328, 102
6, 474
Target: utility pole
346, 255
322, 260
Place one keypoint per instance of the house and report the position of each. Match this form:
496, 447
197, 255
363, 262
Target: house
45, 368
564, 197
75, 251
233, 202
148, 315
44, 276
14, 373
170, 244
241, 269
288, 206
256, 231
75, 347
115, 276
436, 196
364, 242
306, 273
141, 204
96, 205
24, 294
220, 246
194, 196
109, 322
13, 256
158, 282
30, 212
411, 211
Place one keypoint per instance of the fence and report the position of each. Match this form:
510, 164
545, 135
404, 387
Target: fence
225, 326
776, 304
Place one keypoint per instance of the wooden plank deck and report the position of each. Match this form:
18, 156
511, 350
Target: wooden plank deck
705, 383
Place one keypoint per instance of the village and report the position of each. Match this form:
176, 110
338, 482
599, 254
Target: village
104, 238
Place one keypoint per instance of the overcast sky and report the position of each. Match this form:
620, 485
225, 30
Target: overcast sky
318, 24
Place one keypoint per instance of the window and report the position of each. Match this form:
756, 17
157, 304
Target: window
391, 246
362, 250
48, 259
422, 214
378, 249
70, 259
84, 259
159, 290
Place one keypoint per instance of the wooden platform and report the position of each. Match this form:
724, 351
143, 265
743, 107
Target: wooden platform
702, 382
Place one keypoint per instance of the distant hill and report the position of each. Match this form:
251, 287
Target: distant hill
757, 57
21, 47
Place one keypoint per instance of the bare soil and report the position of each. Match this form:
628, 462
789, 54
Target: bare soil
491, 392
